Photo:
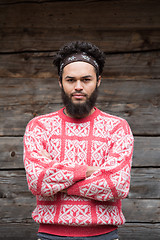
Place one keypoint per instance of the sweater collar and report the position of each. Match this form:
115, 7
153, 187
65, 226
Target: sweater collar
77, 120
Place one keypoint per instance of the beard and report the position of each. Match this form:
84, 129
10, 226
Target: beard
79, 110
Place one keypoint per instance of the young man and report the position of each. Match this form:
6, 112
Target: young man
78, 159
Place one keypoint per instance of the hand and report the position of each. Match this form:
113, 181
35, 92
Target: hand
90, 170
44, 153
64, 190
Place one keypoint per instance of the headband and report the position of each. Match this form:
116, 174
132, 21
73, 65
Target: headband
79, 57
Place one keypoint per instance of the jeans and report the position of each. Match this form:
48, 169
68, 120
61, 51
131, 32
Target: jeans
108, 236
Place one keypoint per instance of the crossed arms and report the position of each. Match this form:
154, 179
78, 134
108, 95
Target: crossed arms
46, 176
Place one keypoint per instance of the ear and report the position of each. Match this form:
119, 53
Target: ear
99, 81
59, 81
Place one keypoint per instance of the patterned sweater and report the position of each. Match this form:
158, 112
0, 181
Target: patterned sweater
73, 144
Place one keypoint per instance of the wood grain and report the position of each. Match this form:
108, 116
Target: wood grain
125, 66
136, 101
146, 152
144, 121
19, 210
139, 231
128, 32
144, 185
132, 231
46, 25
26, 91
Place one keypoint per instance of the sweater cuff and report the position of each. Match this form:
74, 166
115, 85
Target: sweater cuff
73, 190
80, 172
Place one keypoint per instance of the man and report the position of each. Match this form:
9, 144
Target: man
78, 159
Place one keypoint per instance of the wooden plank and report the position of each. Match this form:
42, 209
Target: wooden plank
140, 65
125, 66
128, 231
14, 119
14, 187
18, 91
134, 15
136, 101
139, 93
144, 184
133, 93
143, 120
141, 210
16, 212
135, 210
19, 21
139, 231
11, 149
49, 39
146, 152
18, 231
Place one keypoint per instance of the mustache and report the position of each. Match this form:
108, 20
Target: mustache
80, 93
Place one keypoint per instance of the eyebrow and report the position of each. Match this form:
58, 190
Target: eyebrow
68, 77
87, 76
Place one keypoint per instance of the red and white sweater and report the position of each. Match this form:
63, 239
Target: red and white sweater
73, 144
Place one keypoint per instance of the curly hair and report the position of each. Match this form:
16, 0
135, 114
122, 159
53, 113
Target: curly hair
78, 47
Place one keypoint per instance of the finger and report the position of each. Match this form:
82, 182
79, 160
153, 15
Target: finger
45, 154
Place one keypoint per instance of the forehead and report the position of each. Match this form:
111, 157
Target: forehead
79, 68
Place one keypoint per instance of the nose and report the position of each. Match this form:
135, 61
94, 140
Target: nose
78, 86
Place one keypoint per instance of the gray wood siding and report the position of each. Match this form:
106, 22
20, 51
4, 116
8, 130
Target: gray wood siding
129, 33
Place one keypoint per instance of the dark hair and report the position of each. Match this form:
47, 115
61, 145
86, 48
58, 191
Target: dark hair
78, 47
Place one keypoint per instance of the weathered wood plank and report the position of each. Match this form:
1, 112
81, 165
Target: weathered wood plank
139, 231
136, 101
49, 39
11, 149
144, 210
18, 91
18, 231
140, 65
14, 119
18, 210
14, 186
136, 93
144, 184
19, 21
143, 120
146, 152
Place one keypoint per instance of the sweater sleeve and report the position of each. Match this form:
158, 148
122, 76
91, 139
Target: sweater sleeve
112, 180
46, 176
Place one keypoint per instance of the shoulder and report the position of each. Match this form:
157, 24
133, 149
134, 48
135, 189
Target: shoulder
43, 119
112, 122
111, 118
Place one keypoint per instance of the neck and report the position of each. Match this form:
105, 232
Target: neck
78, 117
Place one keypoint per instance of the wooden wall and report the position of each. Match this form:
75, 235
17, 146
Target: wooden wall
129, 32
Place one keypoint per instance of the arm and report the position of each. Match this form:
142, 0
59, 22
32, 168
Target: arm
112, 180
46, 176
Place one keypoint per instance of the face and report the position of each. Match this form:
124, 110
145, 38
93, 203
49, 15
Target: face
79, 87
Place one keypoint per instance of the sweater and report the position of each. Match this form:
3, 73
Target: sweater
100, 140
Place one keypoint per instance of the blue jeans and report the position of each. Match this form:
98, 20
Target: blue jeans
108, 236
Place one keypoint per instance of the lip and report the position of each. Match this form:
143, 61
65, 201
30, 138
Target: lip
78, 95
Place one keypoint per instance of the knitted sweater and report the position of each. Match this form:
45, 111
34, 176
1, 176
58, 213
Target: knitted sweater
73, 144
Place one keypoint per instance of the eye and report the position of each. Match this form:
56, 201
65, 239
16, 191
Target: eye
70, 80
86, 79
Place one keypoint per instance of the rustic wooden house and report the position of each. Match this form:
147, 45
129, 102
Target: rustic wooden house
129, 33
